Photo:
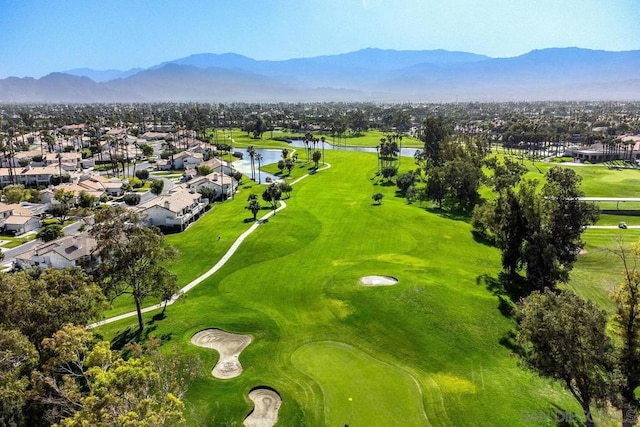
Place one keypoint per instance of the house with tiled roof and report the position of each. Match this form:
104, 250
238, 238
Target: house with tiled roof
17, 219
174, 210
224, 185
70, 251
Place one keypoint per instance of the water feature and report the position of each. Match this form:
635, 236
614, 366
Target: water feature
268, 157
298, 143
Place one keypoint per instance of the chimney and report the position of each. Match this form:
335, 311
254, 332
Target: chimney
167, 205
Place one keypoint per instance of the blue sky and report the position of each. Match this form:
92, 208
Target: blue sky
41, 36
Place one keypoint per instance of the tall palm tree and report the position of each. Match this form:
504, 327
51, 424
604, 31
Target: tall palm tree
252, 155
259, 159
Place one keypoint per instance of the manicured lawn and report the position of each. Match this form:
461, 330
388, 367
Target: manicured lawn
12, 242
364, 383
434, 343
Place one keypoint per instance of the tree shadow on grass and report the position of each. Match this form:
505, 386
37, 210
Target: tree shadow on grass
134, 335
508, 288
456, 214
481, 238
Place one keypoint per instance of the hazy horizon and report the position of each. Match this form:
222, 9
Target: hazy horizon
39, 37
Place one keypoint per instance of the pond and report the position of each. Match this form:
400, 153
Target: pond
298, 143
268, 157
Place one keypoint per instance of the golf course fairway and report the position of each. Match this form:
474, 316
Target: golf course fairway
377, 393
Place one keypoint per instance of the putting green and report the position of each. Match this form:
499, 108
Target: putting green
378, 393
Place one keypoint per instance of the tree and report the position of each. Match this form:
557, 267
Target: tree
406, 181
432, 133
252, 157
289, 163
463, 181
626, 322
539, 232
17, 357
377, 197
157, 185
142, 174
272, 194
237, 175
564, 337
133, 257
14, 193
131, 199
204, 170
86, 200
389, 172
147, 150
281, 165
565, 215
39, 307
317, 155
81, 383
50, 232
64, 201
254, 205
505, 175
258, 158
208, 193
436, 188
285, 187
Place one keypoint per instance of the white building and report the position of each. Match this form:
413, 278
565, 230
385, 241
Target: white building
70, 251
177, 209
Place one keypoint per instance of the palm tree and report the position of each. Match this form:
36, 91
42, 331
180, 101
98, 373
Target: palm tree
252, 155
259, 159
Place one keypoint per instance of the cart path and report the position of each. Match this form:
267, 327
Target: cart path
234, 247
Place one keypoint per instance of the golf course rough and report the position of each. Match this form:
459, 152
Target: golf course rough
228, 345
378, 281
266, 403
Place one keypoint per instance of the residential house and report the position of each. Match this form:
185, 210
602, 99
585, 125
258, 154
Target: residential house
187, 160
176, 209
113, 186
46, 196
28, 176
224, 185
66, 252
17, 220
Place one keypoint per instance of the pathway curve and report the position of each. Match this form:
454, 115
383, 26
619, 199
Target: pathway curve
211, 271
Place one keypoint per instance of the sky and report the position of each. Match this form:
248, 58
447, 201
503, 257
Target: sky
42, 36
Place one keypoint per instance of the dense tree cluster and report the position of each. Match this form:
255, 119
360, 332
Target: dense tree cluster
537, 232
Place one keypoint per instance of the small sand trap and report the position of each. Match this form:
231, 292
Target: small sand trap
378, 280
266, 403
228, 345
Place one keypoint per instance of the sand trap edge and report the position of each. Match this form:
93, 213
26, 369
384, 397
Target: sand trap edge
253, 419
378, 281
228, 365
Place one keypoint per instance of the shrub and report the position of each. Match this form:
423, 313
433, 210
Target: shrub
131, 199
142, 174
135, 182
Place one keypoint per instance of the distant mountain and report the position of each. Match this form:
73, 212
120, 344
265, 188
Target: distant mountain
364, 75
102, 75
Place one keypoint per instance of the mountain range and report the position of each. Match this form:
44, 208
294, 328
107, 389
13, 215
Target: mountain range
365, 75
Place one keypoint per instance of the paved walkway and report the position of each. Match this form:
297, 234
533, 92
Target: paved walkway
211, 271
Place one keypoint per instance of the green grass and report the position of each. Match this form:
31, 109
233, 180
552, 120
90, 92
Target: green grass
363, 383
434, 343
12, 242
371, 138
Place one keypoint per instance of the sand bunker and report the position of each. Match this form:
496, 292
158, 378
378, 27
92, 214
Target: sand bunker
228, 345
378, 280
266, 403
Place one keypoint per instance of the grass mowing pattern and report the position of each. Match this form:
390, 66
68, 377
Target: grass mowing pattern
293, 286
